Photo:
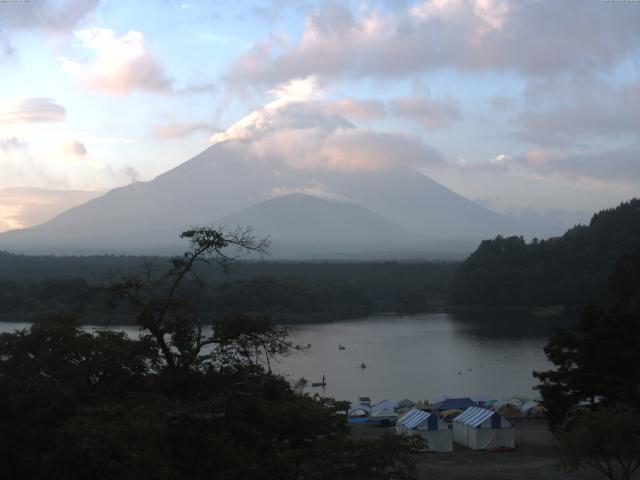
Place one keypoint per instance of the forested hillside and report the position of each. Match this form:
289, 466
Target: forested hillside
290, 291
568, 270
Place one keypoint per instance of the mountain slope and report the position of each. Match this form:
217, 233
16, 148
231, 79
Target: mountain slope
146, 217
302, 225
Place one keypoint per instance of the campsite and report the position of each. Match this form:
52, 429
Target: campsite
536, 457
464, 440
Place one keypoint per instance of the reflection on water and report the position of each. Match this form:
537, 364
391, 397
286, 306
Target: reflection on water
417, 357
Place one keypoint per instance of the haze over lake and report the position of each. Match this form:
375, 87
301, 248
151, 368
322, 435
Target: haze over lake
418, 357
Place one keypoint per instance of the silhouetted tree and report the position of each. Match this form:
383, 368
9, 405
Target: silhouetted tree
172, 318
607, 440
597, 361
179, 402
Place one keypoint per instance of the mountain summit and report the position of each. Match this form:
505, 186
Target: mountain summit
319, 186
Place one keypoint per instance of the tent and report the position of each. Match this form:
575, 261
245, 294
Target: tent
508, 410
449, 415
406, 403
384, 412
482, 429
451, 403
533, 409
359, 414
480, 399
435, 432
384, 405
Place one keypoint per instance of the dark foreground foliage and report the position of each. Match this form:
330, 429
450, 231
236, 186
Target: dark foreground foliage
77, 405
568, 270
598, 360
592, 397
188, 399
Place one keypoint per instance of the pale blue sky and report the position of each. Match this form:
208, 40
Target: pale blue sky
524, 100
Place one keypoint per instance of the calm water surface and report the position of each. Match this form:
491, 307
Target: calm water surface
424, 356
417, 357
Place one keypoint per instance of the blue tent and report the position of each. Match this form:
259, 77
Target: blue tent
454, 403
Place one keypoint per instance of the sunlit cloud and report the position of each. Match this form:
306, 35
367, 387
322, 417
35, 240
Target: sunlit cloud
25, 207
358, 109
31, 110
120, 64
532, 38
74, 149
311, 135
428, 112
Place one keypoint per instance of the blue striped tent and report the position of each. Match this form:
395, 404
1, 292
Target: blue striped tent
432, 429
482, 429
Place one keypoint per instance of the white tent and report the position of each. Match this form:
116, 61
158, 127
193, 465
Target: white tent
359, 414
432, 429
384, 412
482, 429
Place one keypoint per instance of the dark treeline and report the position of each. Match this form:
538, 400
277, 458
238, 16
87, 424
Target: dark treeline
178, 402
568, 270
286, 291
593, 387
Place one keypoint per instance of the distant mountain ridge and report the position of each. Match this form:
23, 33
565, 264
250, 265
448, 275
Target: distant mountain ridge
569, 270
299, 224
400, 211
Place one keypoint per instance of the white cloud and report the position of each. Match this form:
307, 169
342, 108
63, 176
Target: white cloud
615, 166
541, 37
357, 109
310, 135
120, 64
580, 110
47, 15
428, 112
74, 149
31, 110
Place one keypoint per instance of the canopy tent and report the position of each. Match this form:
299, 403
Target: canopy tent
433, 430
482, 429
451, 403
384, 412
384, 405
405, 403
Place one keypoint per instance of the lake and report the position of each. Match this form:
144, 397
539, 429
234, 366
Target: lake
424, 356
419, 356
